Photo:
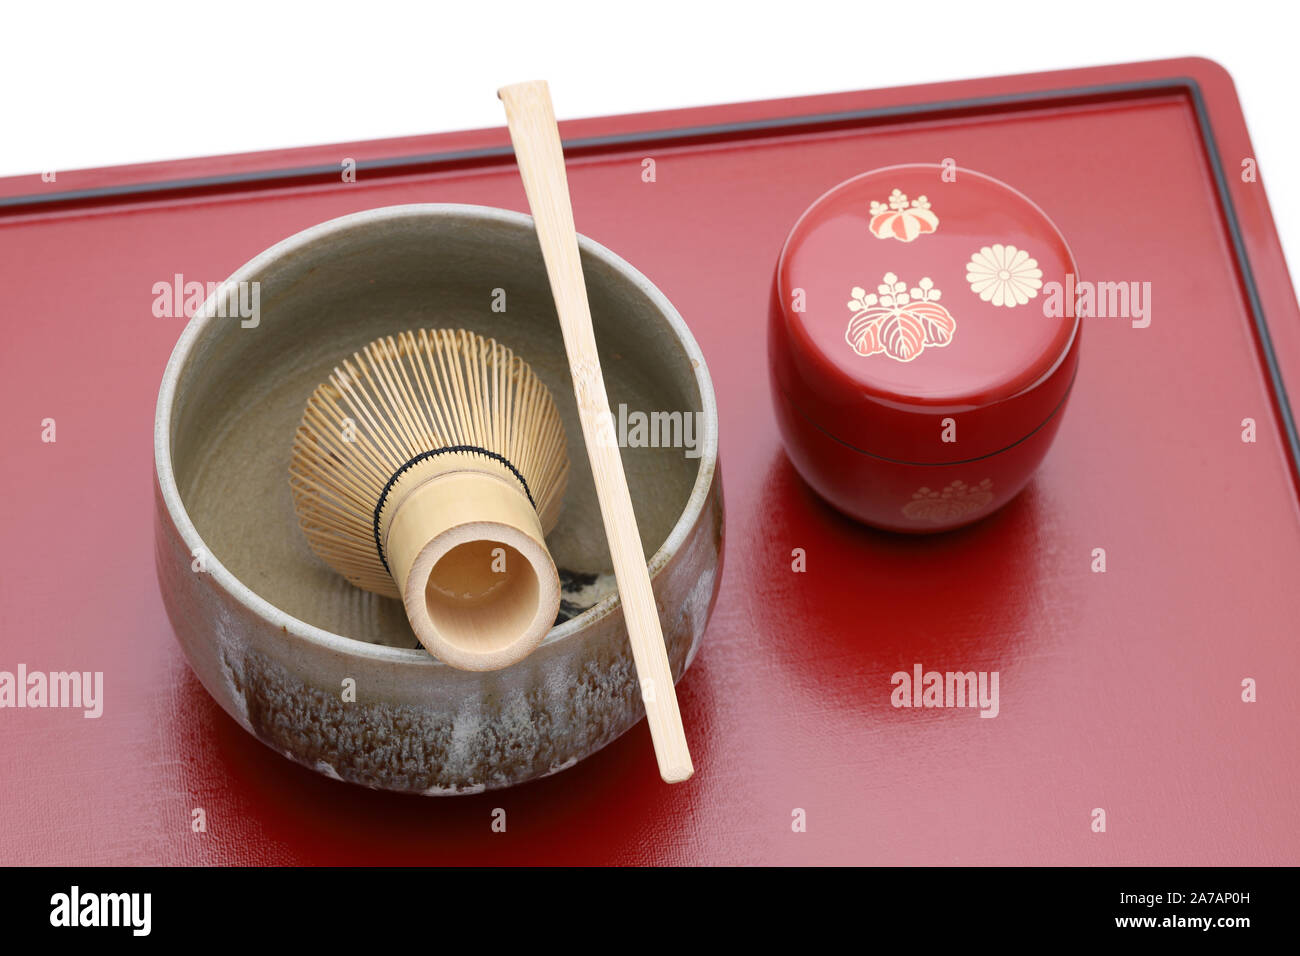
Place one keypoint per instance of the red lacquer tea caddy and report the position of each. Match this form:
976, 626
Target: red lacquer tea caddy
920, 345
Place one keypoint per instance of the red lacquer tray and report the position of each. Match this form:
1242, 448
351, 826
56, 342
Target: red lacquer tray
1119, 690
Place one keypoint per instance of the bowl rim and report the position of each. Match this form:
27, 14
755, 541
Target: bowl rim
297, 628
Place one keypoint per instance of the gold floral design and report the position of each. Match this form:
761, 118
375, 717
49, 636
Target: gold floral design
958, 500
899, 323
1004, 275
900, 219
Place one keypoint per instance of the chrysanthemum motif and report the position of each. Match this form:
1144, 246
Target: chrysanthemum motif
1004, 275
896, 322
901, 220
957, 501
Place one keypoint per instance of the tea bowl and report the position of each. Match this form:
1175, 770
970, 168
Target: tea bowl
331, 676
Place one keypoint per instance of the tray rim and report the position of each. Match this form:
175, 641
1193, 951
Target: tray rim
483, 148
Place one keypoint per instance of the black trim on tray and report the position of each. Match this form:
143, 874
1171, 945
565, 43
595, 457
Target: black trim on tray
409, 165
420, 163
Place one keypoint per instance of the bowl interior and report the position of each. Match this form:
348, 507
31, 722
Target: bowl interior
325, 294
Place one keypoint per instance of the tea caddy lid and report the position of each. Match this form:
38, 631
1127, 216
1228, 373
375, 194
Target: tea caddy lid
923, 315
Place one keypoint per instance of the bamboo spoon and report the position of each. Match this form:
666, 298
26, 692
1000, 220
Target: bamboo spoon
541, 165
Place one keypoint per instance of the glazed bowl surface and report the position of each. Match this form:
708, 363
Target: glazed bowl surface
331, 676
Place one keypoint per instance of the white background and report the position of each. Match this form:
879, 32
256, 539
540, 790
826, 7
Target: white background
132, 82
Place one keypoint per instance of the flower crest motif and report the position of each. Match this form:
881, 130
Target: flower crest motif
900, 219
958, 500
1004, 275
899, 322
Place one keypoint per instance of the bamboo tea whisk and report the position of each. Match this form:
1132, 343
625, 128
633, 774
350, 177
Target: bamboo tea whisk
430, 467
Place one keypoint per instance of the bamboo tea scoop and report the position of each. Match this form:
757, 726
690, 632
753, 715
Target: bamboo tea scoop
541, 164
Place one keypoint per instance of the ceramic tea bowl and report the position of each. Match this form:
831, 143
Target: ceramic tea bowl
332, 677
